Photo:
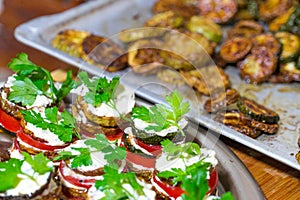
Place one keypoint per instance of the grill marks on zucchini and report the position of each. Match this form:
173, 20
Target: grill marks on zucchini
257, 112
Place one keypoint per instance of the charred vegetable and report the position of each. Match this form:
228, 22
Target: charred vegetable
166, 19
206, 27
220, 11
245, 28
269, 41
257, 111
270, 9
235, 49
290, 46
221, 100
258, 66
207, 79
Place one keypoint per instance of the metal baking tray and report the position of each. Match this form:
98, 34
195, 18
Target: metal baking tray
108, 17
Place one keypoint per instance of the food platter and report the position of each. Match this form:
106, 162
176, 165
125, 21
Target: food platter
233, 175
97, 17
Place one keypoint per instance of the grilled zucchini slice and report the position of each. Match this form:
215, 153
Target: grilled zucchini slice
290, 46
270, 9
166, 19
235, 49
258, 66
207, 27
257, 111
245, 28
268, 40
277, 23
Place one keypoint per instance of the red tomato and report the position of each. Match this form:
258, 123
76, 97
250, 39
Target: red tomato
175, 192
35, 143
172, 191
138, 159
9, 122
84, 183
154, 149
213, 181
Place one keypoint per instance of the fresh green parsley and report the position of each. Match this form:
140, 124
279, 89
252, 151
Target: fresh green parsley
113, 153
160, 116
63, 124
32, 80
100, 90
183, 151
10, 170
112, 184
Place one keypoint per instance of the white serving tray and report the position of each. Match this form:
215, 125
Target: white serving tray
108, 17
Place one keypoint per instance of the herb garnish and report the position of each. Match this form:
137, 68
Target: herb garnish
63, 125
10, 170
100, 89
32, 80
160, 116
112, 152
113, 181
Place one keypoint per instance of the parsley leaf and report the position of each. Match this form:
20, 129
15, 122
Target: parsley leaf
24, 92
83, 159
39, 162
32, 80
159, 116
63, 125
185, 150
9, 172
100, 89
113, 181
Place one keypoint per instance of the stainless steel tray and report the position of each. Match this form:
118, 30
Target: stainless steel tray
108, 17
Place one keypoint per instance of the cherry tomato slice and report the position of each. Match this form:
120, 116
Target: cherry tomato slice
9, 122
137, 159
84, 183
172, 191
213, 181
35, 143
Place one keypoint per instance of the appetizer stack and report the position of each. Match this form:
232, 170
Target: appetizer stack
49, 159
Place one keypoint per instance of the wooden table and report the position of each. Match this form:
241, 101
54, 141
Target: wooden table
276, 180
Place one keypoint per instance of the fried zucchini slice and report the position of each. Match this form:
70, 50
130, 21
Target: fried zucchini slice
246, 130
170, 76
235, 49
268, 40
207, 27
133, 35
245, 28
257, 111
258, 66
69, 41
290, 46
221, 100
186, 51
220, 11
206, 80
293, 23
103, 53
236, 118
276, 23
290, 69
166, 19
181, 8
270, 9
144, 56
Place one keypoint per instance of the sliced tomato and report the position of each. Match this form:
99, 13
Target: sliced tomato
9, 122
84, 183
172, 191
175, 192
213, 181
138, 159
154, 149
35, 143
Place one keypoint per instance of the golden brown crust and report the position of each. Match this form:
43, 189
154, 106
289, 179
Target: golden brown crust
245, 28
207, 79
